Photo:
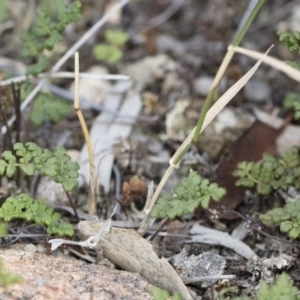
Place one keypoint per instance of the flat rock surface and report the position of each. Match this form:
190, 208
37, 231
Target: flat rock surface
48, 277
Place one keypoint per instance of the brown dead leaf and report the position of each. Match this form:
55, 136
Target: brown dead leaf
128, 250
257, 140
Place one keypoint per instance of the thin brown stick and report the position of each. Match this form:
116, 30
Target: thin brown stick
73, 206
93, 198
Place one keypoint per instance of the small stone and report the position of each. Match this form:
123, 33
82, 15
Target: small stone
257, 90
203, 84
40, 249
30, 248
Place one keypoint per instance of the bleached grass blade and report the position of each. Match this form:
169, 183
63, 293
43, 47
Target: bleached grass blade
272, 61
219, 105
215, 109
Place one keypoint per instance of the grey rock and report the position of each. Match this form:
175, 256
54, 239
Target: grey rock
257, 90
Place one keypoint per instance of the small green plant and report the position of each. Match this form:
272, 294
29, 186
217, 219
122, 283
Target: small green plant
46, 32
187, 196
36, 210
290, 40
287, 217
292, 101
110, 51
30, 158
7, 278
282, 289
160, 294
48, 106
270, 173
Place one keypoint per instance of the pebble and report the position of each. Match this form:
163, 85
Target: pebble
203, 84
257, 90
30, 248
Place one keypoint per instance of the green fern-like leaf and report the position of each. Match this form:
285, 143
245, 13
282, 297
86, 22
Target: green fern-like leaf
187, 196
37, 211
116, 37
290, 40
48, 106
46, 32
282, 289
287, 217
270, 173
292, 101
30, 158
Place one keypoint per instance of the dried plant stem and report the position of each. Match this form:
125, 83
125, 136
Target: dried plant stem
93, 196
194, 135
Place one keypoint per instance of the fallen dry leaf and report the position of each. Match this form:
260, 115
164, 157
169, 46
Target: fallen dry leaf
257, 140
128, 250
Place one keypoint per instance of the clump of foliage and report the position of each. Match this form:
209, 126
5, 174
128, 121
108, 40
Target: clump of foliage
35, 210
46, 32
8, 278
49, 106
292, 42
30, 158
110, 51
290, 39
292, 101
270, 173
282, 289
160, 294
187, 196
287, 217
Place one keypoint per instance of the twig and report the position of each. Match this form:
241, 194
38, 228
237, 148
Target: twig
166, 14
92, 31
207, 278
65, 75
73, 206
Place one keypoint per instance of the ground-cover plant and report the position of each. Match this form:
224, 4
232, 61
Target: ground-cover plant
46, 32
282, 289
7, 278
111, 51
47, 106
191, 192
57, 165
270, 173
160, 294
287, 217
292, 101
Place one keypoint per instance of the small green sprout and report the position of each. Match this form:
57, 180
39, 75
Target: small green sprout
8, 278
187, 196
160, 294
287, 217
30, 158
292, 101
110, 51
270, 173
35, 210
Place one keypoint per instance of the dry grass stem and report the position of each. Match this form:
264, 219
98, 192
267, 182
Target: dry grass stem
93, 195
